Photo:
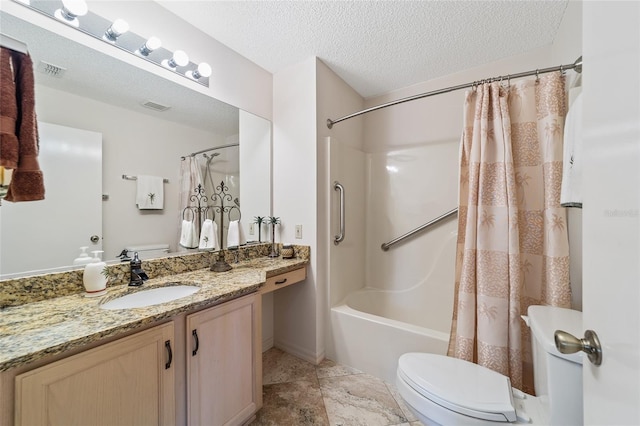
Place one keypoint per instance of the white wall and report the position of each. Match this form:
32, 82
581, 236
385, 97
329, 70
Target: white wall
255, 179
133, 144
294, 201
305, 95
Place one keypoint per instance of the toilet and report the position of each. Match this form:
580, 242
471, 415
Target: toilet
442, 390
149, 251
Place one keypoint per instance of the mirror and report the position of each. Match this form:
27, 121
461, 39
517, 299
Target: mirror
98, 93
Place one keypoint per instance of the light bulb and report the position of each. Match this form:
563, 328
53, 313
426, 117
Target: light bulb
116, 29
204, 70
74, 8
70, 11
153, 43
179, 59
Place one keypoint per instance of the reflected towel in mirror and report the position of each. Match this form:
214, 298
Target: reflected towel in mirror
235, 236
188, 235
150, 193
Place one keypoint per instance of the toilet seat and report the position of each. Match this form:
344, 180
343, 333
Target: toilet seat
459, 386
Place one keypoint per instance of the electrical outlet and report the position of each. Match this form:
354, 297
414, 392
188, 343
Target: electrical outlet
298, 231
251, 228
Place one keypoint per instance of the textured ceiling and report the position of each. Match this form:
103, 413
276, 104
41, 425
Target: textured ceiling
376, 46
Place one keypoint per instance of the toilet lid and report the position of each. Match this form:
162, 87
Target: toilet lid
459, 385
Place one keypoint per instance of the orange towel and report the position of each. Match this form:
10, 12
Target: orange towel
27, 183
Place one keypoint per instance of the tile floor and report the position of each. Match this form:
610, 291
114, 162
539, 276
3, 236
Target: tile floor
296, 392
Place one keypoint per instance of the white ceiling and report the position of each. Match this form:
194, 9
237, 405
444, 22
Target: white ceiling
376, 46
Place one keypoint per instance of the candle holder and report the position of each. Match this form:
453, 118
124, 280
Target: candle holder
273, 221
259, 220
221, 194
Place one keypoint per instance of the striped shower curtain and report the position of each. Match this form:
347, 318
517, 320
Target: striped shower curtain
513, 248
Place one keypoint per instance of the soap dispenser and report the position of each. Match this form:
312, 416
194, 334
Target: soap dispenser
84, 258
94, 279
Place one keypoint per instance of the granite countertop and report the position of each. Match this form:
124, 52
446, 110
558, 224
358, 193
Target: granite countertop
35, 330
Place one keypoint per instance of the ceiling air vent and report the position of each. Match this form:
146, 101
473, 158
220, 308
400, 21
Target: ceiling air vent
155, 106
50, 69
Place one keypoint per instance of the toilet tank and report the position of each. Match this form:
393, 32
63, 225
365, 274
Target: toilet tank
557, 376
148, 251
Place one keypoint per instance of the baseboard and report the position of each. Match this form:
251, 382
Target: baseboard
300, 352
267, 343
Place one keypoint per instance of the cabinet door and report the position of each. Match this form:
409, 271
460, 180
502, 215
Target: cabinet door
126, 382
224, 364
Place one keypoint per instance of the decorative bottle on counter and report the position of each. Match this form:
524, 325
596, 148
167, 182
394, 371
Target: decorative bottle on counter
94, 279
84, 258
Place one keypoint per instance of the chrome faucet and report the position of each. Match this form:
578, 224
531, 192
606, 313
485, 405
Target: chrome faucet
138, 276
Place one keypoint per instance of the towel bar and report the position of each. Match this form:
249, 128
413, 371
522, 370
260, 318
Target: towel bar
129, 177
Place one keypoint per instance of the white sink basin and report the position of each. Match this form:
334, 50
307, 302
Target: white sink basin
151, 297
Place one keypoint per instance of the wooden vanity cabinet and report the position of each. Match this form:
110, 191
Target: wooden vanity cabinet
130, 381
141, 379
224, 364
279, 281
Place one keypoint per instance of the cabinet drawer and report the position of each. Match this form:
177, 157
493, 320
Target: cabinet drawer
282, 280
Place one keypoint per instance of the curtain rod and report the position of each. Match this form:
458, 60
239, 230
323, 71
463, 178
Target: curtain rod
193, 154
577, 66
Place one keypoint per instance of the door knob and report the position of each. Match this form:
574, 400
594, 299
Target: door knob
567, 344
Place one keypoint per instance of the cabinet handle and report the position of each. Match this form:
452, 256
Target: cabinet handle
194, 333
167, 344
281, 281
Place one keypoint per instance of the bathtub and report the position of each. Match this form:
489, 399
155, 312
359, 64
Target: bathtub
371, 328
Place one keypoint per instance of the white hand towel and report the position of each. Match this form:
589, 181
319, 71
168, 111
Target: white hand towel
233, 235
209, 235
188, 235
571, 189
150, 194
243, 240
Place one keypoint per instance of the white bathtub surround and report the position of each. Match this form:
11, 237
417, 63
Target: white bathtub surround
513, 248
373, 327
384, 304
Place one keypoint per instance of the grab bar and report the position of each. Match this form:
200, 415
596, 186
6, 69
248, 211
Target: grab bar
340, 237
387, 246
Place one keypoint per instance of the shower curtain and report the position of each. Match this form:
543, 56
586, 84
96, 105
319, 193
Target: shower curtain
513, 248
190, 178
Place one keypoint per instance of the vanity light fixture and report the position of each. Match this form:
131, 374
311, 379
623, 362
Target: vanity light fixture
149, 46
116, 29
179, 59
70, 11
203, 70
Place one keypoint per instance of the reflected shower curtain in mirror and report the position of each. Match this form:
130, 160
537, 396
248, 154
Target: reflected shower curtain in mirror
190, 178
513, 248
